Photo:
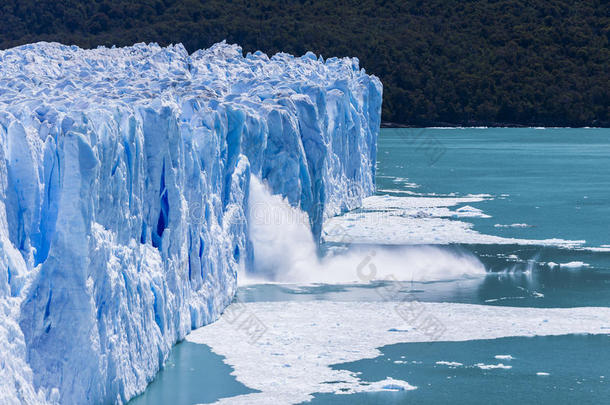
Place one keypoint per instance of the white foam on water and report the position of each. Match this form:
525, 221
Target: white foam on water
481, 195
458, 128
513, 226
397, 191
503, 357
285, 252
602, 248
405, 182
504, 298
449, 363
290, 360
387, 202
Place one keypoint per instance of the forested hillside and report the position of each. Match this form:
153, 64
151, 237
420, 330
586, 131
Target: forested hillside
477, 62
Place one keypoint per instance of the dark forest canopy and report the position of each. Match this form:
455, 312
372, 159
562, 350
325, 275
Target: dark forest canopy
478, 62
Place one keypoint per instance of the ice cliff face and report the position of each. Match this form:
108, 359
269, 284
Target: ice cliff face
124, 178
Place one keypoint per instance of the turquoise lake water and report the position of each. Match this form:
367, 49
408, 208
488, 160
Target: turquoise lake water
556, 183
192, 374
543, 369
555, 180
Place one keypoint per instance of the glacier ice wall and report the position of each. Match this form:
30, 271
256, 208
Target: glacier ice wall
124, 180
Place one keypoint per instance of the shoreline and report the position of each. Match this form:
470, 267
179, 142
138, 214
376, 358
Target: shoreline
486, 125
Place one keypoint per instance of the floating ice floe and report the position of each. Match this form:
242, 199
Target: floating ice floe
574, 265
312, 336
388, 384
484, 366
415, 220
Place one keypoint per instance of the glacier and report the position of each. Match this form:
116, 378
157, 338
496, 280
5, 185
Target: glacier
124, 184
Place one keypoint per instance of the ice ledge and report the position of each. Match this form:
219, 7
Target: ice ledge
124, 180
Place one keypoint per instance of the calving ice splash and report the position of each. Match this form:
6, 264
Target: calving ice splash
286, 251
125, 178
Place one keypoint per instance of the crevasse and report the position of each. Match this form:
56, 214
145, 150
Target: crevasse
124, 178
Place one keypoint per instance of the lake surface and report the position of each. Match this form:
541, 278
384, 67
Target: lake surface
542, 370
192, 374
555, 181
532, 185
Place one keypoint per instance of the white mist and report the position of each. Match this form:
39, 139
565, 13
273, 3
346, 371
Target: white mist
285, 252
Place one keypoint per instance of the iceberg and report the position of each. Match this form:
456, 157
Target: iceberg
124, 185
